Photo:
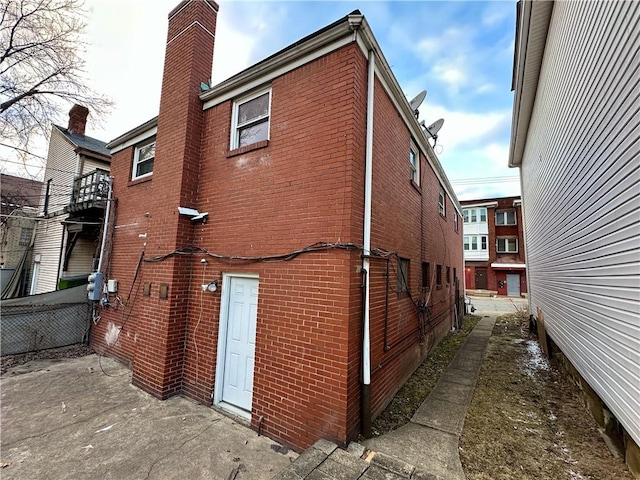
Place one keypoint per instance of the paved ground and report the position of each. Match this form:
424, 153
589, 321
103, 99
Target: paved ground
497, 305
66, 419
424, 448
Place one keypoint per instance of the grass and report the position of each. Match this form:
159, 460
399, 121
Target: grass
417, 388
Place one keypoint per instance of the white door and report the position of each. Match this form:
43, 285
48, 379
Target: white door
513, 285
240, 343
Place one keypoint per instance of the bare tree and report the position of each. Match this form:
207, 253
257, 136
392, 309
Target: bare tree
41, 67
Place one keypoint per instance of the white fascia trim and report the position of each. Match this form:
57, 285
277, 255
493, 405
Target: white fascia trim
476, 205
135, 140
366, 40
289, 60
517, 203
530, 48
509, 265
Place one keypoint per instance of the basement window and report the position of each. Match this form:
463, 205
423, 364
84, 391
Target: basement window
250, 119
403, 275
143, 159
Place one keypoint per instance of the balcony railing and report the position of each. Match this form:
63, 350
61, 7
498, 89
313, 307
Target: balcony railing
89, 191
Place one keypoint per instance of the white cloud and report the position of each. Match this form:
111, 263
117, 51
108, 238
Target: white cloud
232, 52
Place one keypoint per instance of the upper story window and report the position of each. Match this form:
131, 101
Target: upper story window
438, 276
455, 221
475, 242
506, 217
507, 245
441, 202
473, 215
143, 159
414, 164
250, 120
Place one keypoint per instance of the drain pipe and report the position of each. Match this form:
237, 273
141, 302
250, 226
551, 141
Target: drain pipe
366, 346
106, 223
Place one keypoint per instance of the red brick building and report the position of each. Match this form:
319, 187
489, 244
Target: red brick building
286, 244
494, 256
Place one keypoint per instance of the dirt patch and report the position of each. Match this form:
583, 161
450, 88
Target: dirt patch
526, 420
72, 351
417, 388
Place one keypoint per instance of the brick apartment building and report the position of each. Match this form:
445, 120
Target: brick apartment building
494, 255
286, 243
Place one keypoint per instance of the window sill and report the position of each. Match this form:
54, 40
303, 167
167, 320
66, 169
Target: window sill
415, 186
248, 148
138, 181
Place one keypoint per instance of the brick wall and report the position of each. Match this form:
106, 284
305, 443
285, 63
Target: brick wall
305, 185
405, 219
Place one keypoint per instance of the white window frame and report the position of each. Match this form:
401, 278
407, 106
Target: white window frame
235, 139
414, 163
455, 221
136, 160
482, 212
465, 215
473, 216
442, 202
506, 245
505, 217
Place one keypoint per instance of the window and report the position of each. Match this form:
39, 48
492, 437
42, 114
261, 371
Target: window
508, 217
439, 276
455, 275
414, 164
455, 221
470, 242
250, 122
471, 215
25, 236
426, 275
441, 202
143, 159
448, 275
507, 245
403, 275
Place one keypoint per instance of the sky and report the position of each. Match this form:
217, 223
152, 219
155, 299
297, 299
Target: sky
460, 52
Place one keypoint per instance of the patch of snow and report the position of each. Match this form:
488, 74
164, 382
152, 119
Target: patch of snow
536, 360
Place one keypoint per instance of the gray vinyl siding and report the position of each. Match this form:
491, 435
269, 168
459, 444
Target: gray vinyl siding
581, 197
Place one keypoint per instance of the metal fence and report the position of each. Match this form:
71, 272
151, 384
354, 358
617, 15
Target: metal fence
40, 322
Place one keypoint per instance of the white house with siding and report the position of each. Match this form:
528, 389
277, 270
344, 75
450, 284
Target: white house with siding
71, 207
576, 138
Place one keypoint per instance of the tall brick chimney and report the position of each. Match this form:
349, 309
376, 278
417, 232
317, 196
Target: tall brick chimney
78, 119
157, 367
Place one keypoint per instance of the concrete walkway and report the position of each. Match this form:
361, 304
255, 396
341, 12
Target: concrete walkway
425, 448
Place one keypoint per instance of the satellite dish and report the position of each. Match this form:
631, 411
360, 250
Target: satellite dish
434, 128
417, 101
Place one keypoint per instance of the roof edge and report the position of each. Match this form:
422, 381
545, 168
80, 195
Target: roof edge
527, 66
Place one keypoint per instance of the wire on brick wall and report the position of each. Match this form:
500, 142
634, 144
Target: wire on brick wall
316, 247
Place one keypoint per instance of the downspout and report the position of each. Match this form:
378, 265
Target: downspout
366, 346
106, 223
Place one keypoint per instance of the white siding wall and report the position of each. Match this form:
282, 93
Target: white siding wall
581, 194
61, 167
